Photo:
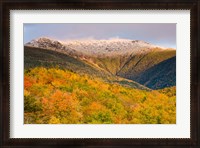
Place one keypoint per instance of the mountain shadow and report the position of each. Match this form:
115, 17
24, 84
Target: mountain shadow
159, 76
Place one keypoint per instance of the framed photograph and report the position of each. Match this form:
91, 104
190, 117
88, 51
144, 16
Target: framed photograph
100, 74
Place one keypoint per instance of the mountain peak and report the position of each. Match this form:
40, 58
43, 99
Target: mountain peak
92, 47
45, 42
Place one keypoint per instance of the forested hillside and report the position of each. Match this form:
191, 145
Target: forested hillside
54, 96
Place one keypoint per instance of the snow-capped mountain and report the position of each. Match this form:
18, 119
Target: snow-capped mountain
95, 47
130, 59
46, 43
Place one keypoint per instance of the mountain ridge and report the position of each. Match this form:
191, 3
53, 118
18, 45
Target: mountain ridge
120, 57
97, 47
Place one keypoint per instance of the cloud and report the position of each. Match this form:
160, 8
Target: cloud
112, 38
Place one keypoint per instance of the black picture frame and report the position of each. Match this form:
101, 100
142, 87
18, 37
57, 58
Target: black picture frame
7, 5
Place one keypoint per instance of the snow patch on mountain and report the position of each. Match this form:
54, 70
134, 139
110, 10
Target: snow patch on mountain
44, 42
95, 47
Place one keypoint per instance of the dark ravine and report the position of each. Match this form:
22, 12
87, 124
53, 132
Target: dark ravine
159, 76
138, 66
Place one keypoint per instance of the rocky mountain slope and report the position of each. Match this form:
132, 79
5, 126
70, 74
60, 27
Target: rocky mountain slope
37, 57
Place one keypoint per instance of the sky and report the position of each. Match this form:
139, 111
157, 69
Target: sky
155, 33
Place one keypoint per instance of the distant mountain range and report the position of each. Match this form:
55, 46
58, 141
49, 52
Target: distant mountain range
129, 62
